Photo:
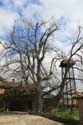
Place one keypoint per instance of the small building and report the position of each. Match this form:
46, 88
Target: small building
15, 97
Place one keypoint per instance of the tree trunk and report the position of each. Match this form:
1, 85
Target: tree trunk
35, 104
39, 89
40, 102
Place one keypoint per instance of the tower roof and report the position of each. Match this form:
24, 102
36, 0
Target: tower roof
67, 63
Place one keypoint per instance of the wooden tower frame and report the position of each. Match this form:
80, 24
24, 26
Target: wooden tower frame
69, 82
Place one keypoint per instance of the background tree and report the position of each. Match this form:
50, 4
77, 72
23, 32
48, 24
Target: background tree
75, 54
25, 52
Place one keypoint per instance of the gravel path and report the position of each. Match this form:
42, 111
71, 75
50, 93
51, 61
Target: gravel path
26, 120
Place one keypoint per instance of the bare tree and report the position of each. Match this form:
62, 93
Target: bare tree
23, 57
75, 54
25, 52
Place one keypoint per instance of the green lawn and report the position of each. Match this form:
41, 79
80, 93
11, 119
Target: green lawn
63, 115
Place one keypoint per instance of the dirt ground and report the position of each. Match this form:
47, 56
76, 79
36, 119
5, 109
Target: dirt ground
15, 119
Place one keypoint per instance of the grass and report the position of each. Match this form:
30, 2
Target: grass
63, 115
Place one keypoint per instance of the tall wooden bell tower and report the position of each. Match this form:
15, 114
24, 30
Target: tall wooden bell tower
69, 82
